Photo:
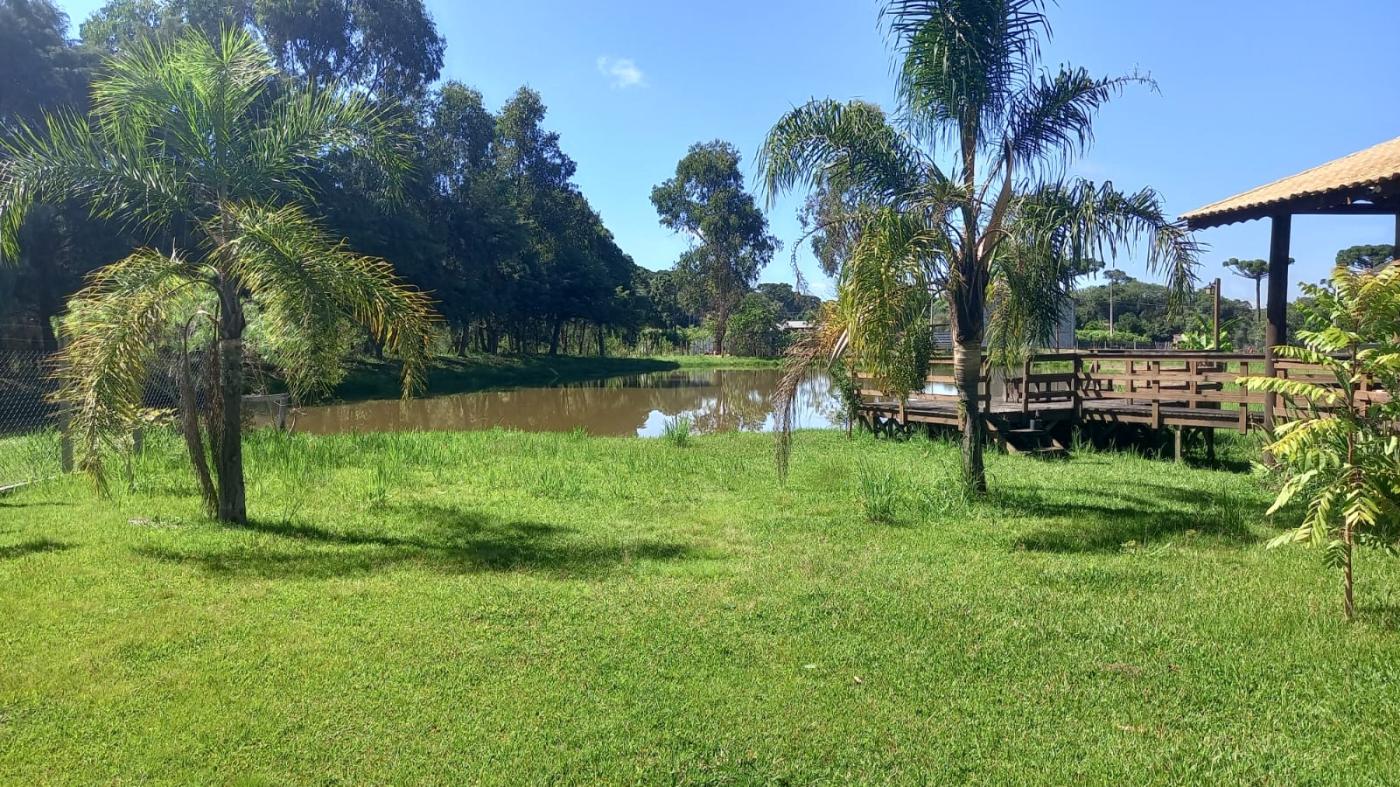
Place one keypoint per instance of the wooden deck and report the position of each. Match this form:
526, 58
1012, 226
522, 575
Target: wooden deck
1054, 392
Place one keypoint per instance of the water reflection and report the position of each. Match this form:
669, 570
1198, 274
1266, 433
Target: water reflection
714, 400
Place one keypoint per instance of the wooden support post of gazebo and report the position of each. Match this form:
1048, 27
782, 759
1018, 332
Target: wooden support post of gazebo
1366, 183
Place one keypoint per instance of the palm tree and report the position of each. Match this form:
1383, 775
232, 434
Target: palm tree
1256, 271
196, 143
962, 192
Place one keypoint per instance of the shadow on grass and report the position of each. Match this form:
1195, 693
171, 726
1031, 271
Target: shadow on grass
450, 541
1155, 514
1385, 616
34, 547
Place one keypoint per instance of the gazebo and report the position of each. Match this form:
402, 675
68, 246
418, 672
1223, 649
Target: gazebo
1365, 183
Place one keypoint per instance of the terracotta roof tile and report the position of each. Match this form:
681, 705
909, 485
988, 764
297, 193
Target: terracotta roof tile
1370, 167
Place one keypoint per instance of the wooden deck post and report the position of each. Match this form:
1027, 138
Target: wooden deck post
1076, 385
1026, 386
1244, 406
1276, 332
1176, 438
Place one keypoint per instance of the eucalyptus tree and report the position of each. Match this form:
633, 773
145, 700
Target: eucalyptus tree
963, 193
731, 244
195, 144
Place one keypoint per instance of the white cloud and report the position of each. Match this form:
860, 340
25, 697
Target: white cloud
622, 72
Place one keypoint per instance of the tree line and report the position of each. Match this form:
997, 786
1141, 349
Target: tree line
488, 219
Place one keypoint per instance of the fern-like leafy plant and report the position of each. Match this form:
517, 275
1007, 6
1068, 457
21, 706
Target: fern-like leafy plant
1343, 453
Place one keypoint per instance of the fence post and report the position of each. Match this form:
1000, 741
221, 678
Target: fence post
65, 441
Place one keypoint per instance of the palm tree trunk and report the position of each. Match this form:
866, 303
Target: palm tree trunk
967, 371
194, 442
228, 461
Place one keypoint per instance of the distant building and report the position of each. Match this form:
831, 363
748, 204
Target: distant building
796, 325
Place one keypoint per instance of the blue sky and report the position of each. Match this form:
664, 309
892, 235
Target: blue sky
1250, 90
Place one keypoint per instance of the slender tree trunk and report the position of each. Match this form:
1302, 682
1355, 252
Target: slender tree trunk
554, 330
194, 441
1348, 600
1258, 304
47, 337
967, 371
229, 459
721, 328
602, 343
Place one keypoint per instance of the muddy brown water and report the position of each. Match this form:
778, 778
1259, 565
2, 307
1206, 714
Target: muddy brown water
714, 400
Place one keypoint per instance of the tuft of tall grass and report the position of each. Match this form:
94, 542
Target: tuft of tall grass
677, 431
880, 492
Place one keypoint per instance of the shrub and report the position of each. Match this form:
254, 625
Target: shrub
1344, 454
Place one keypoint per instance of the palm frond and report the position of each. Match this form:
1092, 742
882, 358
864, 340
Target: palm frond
1077, 220
1053, 118
306, 282
65, 158
818, 349
850, 147
884, 294
961, 62
110, 330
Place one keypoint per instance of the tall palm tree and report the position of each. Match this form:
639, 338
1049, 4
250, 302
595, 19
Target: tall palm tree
962, 192
197, 144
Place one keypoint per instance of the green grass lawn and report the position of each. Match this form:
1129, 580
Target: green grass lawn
507, 607
450, 374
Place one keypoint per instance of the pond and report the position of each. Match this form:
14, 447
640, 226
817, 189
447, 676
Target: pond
714, 400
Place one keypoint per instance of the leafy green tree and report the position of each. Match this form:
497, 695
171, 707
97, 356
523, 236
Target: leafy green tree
44, 70
61, 242
753, 328
390, 48
1344, 455
792, 305
1366, 257
729, 236
189, 142
986, 214
120, 24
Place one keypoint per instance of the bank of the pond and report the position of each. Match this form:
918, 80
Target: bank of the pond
450, 374
509, 607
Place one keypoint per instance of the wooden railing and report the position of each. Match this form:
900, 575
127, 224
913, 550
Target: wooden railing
1154, 378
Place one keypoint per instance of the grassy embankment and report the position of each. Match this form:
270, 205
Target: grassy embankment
510, 607
368, 379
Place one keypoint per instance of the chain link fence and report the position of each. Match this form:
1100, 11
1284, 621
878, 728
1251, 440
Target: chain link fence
33, 445
30, 424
